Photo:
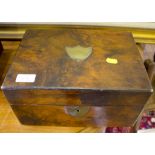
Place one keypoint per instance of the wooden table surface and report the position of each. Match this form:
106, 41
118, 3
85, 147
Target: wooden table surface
9, 122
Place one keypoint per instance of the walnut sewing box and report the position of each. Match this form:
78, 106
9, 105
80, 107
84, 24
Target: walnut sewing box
77, 77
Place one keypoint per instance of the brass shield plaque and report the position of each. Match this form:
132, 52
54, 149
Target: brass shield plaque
78, 52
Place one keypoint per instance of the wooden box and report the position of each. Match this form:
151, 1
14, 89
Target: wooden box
77, 77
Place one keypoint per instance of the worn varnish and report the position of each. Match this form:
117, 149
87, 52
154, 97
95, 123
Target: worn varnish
110, 91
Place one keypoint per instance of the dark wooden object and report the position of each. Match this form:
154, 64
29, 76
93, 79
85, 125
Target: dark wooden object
150, 67
1, 48
67, 92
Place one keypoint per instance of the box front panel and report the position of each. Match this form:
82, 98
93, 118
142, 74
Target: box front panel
77, 116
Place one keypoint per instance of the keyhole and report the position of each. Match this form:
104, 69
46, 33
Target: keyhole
78, 110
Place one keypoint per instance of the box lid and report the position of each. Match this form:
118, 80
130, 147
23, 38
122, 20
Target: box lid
74, 58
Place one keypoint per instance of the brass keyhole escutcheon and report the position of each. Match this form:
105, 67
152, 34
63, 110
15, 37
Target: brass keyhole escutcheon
76, 111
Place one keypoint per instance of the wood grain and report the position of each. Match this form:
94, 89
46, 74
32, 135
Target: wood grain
10, 123
96, 116
8, 120
42, 52
61, 81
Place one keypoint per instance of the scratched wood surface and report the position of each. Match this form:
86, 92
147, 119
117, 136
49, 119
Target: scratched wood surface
9, 122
